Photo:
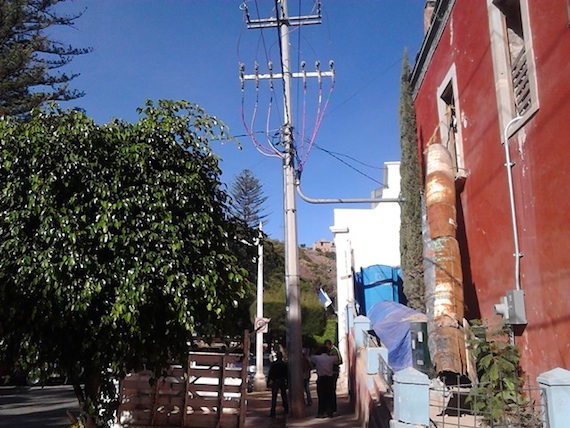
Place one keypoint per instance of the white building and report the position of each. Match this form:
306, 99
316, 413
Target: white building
364, 237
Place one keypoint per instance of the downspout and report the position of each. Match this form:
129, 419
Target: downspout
509, 165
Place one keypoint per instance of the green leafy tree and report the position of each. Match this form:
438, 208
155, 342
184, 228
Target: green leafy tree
29, 59
244, 248
411, 243
248, 199
115, 242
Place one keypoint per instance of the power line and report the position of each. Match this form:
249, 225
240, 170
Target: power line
334, 155
365, 86
349, 157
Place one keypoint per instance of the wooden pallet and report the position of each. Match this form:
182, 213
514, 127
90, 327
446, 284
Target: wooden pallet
210, 393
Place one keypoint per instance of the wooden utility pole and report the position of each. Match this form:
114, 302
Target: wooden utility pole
294, 326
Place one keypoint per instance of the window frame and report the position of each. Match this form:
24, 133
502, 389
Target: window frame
504, 89
449, 83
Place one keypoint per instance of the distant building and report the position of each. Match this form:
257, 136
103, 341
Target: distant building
324, 246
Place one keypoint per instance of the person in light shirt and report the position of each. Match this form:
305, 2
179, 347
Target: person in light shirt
324, 365
333, 350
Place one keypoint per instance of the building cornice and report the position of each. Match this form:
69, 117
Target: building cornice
431, 40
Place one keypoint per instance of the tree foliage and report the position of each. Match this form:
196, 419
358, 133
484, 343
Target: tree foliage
115, 240
313, 313
248, 199
29, 59
247, 208
411, 243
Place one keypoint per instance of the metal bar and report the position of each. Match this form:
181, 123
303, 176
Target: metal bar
297, 74
295, 21
343, 200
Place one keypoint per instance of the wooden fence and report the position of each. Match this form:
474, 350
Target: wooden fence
211, 392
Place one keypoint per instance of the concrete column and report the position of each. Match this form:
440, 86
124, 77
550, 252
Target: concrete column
555, 395
361, 325
411, 399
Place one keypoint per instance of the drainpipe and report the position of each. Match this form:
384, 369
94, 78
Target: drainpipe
517, 254
509, 165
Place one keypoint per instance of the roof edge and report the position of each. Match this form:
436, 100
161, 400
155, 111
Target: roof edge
431, 40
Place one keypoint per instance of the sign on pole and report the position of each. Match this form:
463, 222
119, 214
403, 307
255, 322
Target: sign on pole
262, 325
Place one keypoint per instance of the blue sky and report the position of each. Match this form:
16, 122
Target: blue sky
190, 49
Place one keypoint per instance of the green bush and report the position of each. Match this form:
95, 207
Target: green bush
499, 397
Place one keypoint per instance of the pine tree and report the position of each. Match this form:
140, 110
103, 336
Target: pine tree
248, 199
29, 58
411, 244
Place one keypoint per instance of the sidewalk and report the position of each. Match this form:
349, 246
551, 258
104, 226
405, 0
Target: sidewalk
259, 404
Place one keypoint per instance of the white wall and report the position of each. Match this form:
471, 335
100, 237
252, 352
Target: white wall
364, 237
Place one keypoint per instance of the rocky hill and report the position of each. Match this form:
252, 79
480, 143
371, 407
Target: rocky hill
319, 269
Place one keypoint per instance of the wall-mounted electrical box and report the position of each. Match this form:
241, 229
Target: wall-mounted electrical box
512, 307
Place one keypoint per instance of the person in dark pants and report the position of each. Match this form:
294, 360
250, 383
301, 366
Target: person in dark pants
277, 380
307, 367
333, 350
323, 363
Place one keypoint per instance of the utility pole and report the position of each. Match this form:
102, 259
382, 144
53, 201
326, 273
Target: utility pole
294, 326
259, 380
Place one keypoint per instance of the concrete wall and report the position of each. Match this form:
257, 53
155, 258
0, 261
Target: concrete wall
364, 237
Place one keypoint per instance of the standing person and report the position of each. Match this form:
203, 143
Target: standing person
307, 367
277, 380
324, 365
333, 350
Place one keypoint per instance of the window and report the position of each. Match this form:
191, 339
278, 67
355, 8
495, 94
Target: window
450, 128
512, 60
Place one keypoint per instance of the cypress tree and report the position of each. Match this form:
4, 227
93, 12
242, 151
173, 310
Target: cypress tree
411, 243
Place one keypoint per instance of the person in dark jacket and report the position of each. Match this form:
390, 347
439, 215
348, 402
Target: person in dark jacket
277, 381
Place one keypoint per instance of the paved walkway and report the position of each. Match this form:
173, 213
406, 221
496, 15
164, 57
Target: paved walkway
259, 404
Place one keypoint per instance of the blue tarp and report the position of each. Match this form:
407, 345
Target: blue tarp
377, 283
391, 323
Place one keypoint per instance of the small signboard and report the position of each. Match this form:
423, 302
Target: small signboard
262, 325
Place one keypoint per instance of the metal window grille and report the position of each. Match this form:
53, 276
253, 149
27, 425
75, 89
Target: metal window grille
521, 83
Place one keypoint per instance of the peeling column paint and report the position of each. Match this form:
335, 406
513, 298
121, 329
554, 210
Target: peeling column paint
442, 261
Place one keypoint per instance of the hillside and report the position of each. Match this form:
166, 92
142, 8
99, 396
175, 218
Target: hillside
319, 269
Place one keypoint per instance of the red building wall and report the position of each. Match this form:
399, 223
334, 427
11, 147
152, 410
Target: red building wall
541, 175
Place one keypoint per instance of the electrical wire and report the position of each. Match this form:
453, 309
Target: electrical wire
334, 155
318, 122
366, 85
348, 157
269, 150
285, 101
298, 63
321, 111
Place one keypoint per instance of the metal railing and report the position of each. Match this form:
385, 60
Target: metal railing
461, 406
384, 370
386, 373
